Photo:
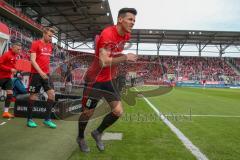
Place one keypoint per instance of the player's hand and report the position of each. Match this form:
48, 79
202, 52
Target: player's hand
14, 71
43, 75
131, 57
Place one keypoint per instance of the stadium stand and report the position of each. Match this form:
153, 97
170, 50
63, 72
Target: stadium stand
235, 62
20, 34
150, 68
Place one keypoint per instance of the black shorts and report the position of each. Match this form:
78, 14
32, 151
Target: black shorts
6, 84
93, 92
36, 82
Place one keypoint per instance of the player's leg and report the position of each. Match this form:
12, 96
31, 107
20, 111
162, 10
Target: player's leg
31, 102
112, 117
8, 86
34, 88
48, 88
108, 120
89, 102
8, 101
112, 97
83, 120
82, 123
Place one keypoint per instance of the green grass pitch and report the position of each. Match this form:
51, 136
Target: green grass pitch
208, 117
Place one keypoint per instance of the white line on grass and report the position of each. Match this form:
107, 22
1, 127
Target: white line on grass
3, 123
188, 144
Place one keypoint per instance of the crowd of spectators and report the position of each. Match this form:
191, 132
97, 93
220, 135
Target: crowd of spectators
149, 67
20, 34
156, 68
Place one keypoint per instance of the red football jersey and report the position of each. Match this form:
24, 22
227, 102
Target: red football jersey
110, 39
43, 52
7, 62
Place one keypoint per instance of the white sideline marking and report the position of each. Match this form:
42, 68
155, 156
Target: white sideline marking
188, 144
3, 123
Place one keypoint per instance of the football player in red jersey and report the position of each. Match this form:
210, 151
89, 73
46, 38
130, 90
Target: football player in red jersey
41, 50
7, 69
99, 79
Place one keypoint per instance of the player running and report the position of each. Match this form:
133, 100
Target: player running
99, 79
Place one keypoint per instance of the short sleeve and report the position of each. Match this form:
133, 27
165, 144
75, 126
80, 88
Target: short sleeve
34, 47
105, 40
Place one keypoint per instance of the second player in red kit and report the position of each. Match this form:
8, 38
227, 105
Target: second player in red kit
7, 69
41, 51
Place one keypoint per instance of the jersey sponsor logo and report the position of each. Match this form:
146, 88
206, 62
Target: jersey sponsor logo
46, 51
115, 47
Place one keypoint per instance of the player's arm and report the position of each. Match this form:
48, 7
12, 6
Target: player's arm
36, 66
106, 60
3, 66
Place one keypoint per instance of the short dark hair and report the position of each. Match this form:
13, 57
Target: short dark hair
17, 44
46, 29
123, 11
